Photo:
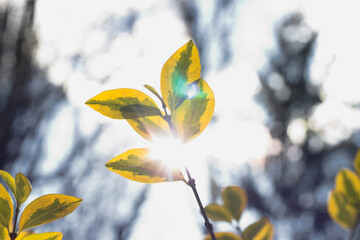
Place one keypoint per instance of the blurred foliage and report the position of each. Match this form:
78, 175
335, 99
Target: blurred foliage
40, 211
344, 199
234, 202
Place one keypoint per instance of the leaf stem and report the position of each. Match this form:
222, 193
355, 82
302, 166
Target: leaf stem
13, 234
191, 183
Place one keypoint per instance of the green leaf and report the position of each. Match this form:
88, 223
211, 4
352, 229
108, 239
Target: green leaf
342, 212
46, 209
348, 183
260, 230
6, 208
23, 188
182, 68
45, 236
224, 236
10, 181
196, 111
124, 103
135, 165
235, 201
217, 213
357, 162
148, 127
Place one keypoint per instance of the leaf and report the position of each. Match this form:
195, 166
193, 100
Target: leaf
4, 234
46, 209
45, 236
124, 103
357, 162
23, 188
182, 68
260, 230
135, 165
10, 181
235, 201
341, 211
217, 213
348, 183
153, 90
147, 127
195, 113
23, 234
6, 208
224, 236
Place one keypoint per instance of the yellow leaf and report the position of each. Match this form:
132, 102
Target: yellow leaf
4, 234
6, 208
124, 103
10, 181
196, 111
348, 183
23, 234
217, 213
224, 236
147, 127
182, 68
357, 162
23, 188
135, 165
46, 209
260, 230
44, 236
235, 200
341, 211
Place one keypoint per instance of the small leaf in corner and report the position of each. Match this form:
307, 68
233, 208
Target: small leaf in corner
260, 230
224, 236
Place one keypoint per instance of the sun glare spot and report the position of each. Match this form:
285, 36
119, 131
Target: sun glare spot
171, 151
192, 91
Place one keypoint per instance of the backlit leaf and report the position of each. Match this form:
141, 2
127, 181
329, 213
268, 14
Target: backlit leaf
357, 162
135, 165
196, 111
224, 236
341, 211
23, 188
23, 234
217, 213
4, 234
260, 230
46, 209
10, 181
6, 207
148, 127
45, 236
153, 90
124, 103
235, 200
348, 183
182, 68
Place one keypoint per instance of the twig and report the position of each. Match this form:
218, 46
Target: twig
13, 234
191, 183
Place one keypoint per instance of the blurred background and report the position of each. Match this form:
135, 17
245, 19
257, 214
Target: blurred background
285, 74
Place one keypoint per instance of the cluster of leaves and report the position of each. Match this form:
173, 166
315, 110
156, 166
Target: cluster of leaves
188, 103
42, 210
234, 202
344, 199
